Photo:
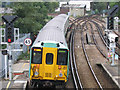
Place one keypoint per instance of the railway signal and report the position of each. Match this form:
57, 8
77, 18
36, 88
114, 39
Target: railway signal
113, 11
111, 37
110, 23
9, 30
10, 34
110, 18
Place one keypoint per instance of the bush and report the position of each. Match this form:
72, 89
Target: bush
24, 56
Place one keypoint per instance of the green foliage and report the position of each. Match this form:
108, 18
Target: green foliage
98, 7
112, 4
32, 16
51, 6
102, 6
24, 56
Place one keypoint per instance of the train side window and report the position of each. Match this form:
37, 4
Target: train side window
49, 58
36, 56
62, 57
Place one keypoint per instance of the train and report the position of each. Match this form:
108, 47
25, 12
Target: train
49, 54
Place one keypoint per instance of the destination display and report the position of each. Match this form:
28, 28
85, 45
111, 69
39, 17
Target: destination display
39, 50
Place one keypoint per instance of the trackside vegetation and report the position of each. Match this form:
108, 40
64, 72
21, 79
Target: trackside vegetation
32, 15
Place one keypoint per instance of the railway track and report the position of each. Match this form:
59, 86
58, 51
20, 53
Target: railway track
104, 80
103, 39
88, 61
74, 70
73, 65
80, 83
96, 43
96, 57
79, 72
76, 76
101, 22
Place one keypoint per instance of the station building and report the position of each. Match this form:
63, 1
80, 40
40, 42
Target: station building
73, 9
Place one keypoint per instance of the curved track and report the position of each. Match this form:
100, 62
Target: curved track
88, 61
101, 34
76, 75
79, 79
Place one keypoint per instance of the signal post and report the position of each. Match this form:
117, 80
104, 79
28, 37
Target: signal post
9, 33
111, 37
10, 39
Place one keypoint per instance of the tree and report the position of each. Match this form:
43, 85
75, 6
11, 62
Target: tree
32, 16
99, 6
51, 6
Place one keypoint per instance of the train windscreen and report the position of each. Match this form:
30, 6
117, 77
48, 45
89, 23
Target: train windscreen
62, 57
36, 56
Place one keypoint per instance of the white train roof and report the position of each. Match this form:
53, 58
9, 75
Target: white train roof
53, 30
58, 22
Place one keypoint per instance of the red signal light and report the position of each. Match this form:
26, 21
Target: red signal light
9, 40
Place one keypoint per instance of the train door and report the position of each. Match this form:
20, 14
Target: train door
49, 60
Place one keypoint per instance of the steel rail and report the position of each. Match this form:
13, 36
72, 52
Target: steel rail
94, 39
74, 61
102, 37
72, 68
75, 74
77, 81
88, 61
72, 58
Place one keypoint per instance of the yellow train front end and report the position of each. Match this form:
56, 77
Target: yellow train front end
48, 66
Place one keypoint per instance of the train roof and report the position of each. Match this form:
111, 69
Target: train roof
54, 34
58, 22
53, 30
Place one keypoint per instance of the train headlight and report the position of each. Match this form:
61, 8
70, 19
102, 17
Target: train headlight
36, 73
60, 75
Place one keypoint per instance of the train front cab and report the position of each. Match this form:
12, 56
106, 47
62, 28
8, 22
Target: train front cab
49, 64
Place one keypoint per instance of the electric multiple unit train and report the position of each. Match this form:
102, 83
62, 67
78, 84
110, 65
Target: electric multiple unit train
49, 54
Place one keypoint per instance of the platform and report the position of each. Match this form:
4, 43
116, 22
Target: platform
19, 84
20, 68
113, 72
20, 76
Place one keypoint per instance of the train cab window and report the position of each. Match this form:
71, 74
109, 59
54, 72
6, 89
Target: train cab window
62, 57
36, 56
49, 58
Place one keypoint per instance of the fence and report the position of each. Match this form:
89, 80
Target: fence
15, 54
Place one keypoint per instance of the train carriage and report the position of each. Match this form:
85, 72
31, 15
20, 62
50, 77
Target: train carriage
49, 55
